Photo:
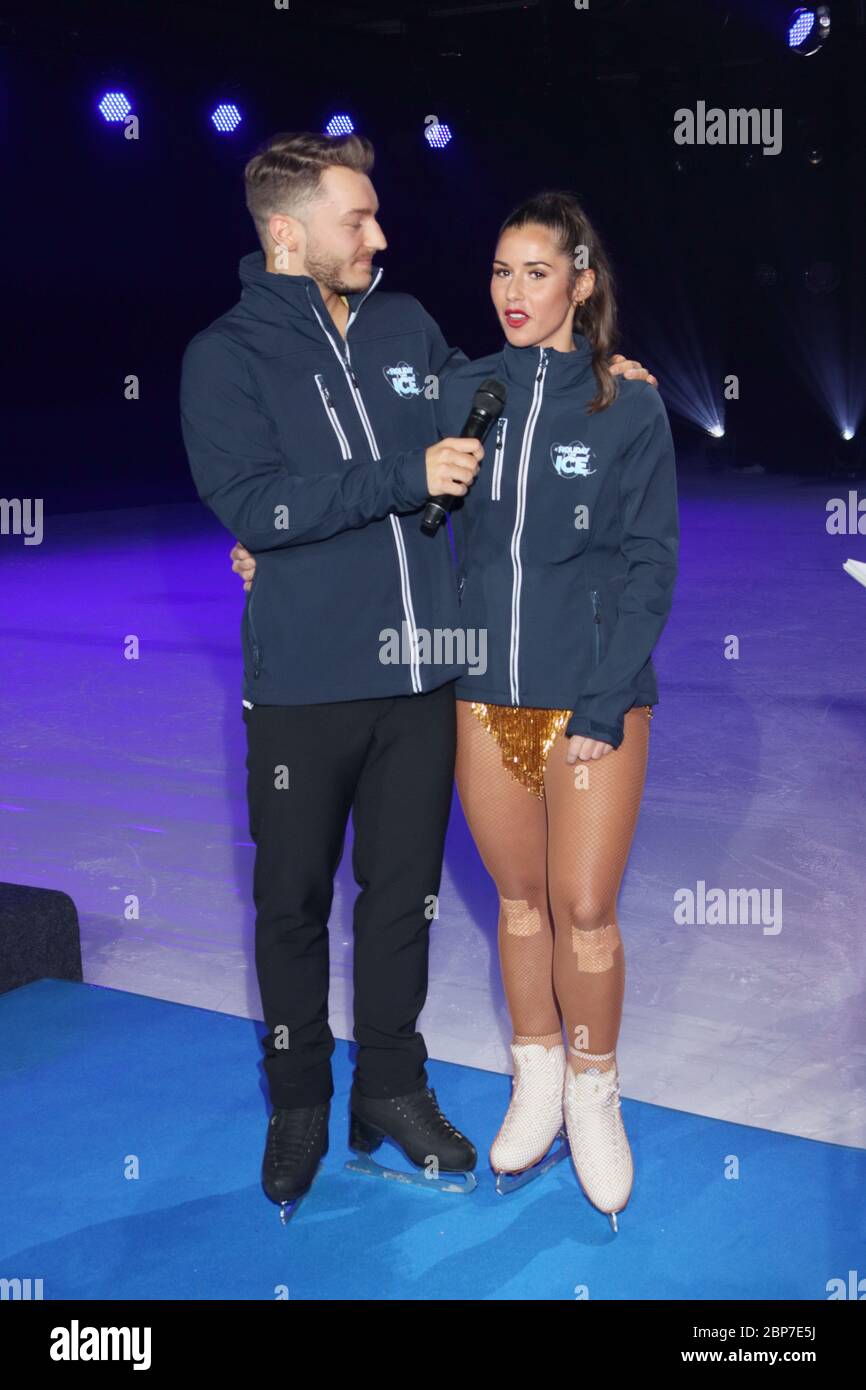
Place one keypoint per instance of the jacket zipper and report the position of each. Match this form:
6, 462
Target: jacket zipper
496, 481
331, 412
596, 618
402, 560
520, 516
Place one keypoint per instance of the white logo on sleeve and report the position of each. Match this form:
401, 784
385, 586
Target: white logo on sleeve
402, 378
570, 460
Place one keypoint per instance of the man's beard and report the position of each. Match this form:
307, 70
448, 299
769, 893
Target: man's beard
328, 271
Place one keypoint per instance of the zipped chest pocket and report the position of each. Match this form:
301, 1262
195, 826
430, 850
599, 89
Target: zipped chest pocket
333, 417
498, 455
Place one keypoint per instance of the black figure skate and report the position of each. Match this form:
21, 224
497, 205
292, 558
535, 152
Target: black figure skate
417, 1126
297, 1140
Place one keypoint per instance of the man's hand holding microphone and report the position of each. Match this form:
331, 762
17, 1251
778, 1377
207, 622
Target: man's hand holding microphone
452, 467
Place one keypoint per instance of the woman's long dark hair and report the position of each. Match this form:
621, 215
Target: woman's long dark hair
563, 215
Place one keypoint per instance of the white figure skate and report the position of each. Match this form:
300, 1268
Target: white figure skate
533, 1120
597, 1139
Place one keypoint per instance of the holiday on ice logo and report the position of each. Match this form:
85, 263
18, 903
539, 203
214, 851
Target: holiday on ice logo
570, 460
402, 378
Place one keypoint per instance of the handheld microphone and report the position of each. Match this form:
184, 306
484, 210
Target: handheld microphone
487, 406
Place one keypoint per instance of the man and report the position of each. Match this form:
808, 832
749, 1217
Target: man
308, 411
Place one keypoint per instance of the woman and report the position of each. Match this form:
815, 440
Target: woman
567, 552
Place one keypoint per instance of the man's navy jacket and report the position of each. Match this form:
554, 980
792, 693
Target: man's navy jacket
311, 451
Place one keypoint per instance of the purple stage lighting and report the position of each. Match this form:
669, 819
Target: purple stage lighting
226, 117
341, 124
114, 106
808, 28
437, 136
800, 26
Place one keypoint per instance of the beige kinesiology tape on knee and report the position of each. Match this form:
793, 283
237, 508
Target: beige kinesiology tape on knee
520, 919
594, 949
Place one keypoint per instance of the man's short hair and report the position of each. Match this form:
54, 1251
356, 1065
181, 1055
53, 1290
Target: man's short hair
285, 173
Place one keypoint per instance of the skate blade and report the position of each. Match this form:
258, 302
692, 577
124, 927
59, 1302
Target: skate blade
288, 1209
510, 1182
363, 1163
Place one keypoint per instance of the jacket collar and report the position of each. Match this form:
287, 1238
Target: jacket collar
564, 370
281, 298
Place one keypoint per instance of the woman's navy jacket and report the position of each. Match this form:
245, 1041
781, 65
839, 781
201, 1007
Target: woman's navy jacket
568, 538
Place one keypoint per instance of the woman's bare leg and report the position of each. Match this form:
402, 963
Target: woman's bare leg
592, 810
509, 826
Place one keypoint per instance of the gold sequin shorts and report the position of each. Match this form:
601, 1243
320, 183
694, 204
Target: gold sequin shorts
525, 736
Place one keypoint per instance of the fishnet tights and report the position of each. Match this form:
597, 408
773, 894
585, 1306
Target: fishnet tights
557, 863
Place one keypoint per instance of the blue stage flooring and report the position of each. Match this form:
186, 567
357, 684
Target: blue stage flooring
95, 1081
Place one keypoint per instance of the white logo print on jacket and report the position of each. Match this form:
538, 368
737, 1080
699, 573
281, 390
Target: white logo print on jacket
570, 460
402, 378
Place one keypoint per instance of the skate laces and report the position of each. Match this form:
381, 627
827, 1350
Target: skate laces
528, 1068
610, 1090
612, 1099
288, 1139
602, 1104
423, 1104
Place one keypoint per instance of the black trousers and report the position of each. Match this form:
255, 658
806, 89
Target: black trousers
391, 763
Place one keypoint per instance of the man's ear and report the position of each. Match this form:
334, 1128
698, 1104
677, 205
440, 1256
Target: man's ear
286, 234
